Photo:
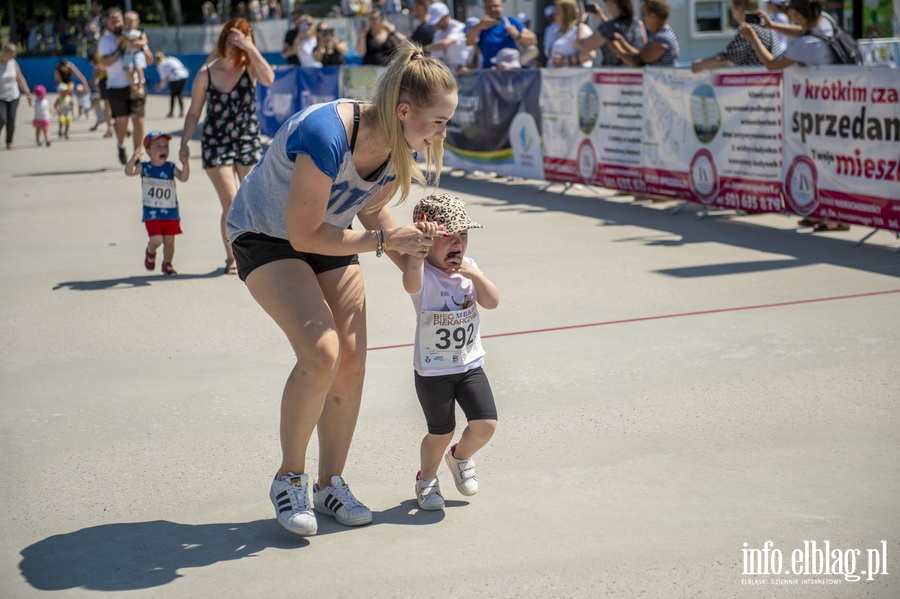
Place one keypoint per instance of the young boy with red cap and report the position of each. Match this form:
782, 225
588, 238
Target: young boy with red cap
158, 194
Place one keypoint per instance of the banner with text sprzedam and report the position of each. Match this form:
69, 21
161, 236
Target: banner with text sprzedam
842, 144
714, 138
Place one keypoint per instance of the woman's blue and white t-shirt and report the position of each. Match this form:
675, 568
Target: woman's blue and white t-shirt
158, 192
812, 51
260, 205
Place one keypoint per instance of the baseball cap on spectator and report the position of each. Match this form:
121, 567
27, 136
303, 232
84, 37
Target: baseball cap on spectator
524, 18
436, 12
471, 22
507, 57
549, 11
62, 87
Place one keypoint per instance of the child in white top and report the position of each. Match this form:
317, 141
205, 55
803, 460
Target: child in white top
41, 120
134, 60
447, 288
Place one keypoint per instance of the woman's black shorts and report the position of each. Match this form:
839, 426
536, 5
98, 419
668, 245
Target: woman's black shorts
252, 250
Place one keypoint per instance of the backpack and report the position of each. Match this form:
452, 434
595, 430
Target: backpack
843, 46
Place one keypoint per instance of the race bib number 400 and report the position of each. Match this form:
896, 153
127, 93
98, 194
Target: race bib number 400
159, 193
448, 339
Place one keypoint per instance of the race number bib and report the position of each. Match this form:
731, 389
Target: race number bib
449, 339
159, 193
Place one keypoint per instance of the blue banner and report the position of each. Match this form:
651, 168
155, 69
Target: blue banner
294, 89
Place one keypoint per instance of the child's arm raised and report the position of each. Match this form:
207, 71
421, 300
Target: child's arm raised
131, 168
485, 291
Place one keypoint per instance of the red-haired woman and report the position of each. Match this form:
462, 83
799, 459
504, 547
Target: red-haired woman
230, 137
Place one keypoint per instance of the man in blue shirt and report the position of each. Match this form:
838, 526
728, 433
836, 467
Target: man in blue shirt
495, 32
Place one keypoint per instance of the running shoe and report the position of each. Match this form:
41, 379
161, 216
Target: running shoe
149, 260
337, 500
168, 270
290, 496
463, 473
428, 494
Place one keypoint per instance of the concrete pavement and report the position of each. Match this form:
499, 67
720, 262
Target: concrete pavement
670, 389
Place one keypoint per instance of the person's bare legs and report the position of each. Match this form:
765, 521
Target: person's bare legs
289, 292
476, 436
345, 293
168, 248
225, 184
138, 126
431, 452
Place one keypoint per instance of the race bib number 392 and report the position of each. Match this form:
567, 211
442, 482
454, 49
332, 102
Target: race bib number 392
448, 339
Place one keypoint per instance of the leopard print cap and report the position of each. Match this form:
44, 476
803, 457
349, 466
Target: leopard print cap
447, 210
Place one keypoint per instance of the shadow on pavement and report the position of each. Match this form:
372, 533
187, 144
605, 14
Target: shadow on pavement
141, 555
126, 282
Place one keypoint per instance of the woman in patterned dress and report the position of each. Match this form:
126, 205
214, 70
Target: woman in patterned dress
230, 136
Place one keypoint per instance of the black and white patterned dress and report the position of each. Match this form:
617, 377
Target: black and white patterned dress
231, 130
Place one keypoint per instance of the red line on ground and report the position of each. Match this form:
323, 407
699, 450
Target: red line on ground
663, 316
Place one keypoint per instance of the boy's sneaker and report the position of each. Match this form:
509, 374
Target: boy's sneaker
168, 270
337, 500
428, 494
290, 496
463, 473
149, 260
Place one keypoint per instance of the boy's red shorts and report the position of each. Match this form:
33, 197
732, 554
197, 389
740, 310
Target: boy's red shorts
163, 227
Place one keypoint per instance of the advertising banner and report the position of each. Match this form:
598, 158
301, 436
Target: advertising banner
714, 138
358, 83
277, 102
318, 85
294, 89
842, 144
495, 127
592, 123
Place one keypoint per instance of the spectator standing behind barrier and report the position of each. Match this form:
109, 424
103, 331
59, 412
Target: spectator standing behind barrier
551, 31
662, 44
495, 32
777, 15
299, 39
564, 52
12, 85
739, 52
330, 50
230, 137
449, 42
424, 33
122, 105
290, 227
172, 71
619, 18
377, 39
806, 50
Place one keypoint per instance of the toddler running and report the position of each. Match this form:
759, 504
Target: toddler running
64, 107
41, 120
158, 194
446, 288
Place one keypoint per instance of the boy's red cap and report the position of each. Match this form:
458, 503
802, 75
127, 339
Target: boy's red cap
154, 135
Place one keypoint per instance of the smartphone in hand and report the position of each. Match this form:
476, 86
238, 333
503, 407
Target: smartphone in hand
592, 8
